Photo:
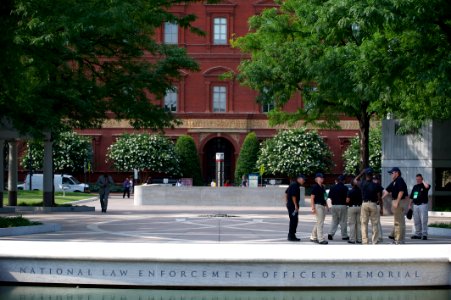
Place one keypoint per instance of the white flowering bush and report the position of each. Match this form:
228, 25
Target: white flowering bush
70, 153
296, 151
351, 156
144, 152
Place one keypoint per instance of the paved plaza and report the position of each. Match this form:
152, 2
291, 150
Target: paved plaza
125, 222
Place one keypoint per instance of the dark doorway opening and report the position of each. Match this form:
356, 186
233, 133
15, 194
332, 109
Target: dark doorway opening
213, 146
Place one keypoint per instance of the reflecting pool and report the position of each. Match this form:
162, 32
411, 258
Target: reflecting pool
72, 293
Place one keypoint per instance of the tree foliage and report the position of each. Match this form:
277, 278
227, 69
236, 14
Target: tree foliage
358, 58
76, 63
189, 159
351, 155
71, 152
144, 152
247, 160
295, 151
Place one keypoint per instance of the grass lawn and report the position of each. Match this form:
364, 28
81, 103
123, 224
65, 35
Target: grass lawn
441, 225
6, 222
34, 198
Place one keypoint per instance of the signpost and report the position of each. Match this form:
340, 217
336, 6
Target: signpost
219, 168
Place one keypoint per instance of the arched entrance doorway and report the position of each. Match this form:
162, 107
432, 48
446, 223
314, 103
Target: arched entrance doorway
218, 144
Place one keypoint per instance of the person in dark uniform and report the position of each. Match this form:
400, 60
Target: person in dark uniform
380, 206
293, 196
338, 194
370, 197
318, 202
354, 201
398, 190
419, 198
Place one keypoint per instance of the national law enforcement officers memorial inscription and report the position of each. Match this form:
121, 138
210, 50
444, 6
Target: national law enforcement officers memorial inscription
226, 265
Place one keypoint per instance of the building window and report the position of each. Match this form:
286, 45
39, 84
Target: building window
220, 31
171, 33
219, 98
170, 100
267, 107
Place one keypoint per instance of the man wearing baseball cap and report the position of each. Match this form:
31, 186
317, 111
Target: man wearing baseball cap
398, 190
293, 195
318, 201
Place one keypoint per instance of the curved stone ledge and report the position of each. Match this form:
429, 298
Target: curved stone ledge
41, 209
23, 230
208, 196
225, 265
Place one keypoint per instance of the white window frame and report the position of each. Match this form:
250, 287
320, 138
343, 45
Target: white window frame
171, 33
171, 100
219, 98
267, 107
220, 31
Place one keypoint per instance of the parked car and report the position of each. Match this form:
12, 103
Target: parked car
61, 182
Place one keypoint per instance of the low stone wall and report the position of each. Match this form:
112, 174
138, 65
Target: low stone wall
224, 265
208, 196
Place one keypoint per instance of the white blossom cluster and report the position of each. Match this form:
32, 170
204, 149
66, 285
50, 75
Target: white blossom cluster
295, 151
153, 153
70, 152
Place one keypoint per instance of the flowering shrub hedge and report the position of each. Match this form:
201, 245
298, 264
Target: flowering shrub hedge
296, 151
351, 156
70, 153
144, 152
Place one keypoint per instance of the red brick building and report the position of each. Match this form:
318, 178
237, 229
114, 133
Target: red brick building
217, 114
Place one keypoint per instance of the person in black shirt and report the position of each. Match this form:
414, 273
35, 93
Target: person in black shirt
370, 197
338, 194
293, 196
354, 201
419, 198
398, 190
380, 205
318, 202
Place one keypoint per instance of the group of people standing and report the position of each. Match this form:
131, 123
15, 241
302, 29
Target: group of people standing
362, 204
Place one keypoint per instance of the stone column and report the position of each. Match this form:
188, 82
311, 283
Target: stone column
12, 173
2, 171
48, 172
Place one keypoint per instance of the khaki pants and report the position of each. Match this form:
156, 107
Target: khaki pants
369, 212
317, 232
381, 237
339, 217
399, 214
355, 231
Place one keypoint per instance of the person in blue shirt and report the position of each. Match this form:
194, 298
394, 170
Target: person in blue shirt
398, 190
318, 203
293, 195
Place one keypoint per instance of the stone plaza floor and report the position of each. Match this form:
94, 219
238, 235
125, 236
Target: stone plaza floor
125, 222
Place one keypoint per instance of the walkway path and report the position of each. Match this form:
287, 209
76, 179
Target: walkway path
125, 222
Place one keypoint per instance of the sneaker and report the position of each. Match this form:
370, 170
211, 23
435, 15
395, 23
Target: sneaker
425, 237
330, 237
323, 243
294, 239
391, 237
359, 242
314, 241
415, 237
351, 242
345, 239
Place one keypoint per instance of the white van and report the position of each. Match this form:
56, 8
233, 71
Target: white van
61, 181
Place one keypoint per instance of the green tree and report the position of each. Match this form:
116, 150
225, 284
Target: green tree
144, 152
189, 159
247, 160
351, 155
351, 57
76, 63
295, 151
71, 152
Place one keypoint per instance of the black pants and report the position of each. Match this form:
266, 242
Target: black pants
294, 220
126, 192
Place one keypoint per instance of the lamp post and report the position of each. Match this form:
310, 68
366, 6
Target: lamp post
356, 32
